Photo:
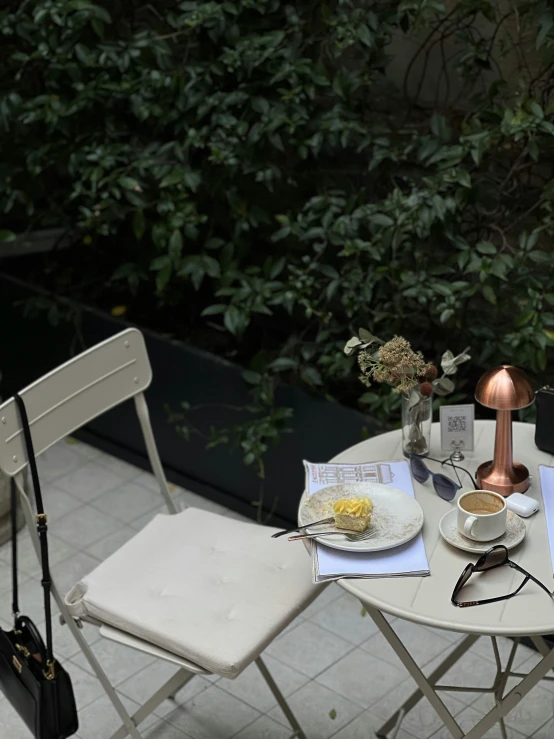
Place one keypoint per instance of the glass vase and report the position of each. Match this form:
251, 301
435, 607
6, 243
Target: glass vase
417, 417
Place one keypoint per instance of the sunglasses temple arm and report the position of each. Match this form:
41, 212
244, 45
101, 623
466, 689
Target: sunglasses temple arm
475, 486
456, 467
492, 600
457, 475
485, 600
530, 577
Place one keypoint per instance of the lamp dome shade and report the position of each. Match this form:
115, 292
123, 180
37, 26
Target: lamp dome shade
504, 388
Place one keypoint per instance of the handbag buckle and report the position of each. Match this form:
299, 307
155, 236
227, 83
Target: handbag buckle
40, 516
17, 664
50, 673
24, 651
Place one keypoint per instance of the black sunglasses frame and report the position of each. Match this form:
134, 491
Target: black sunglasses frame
478, 567
437, 476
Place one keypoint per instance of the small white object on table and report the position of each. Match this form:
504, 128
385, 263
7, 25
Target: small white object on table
426, 600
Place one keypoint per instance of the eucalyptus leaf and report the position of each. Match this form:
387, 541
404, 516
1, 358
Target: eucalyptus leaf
368, 338
351, 345
443, 386
450, 363
413, 399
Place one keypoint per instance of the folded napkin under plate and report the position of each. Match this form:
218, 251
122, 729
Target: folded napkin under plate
407, 560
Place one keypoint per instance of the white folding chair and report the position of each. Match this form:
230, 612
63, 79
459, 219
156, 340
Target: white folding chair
69, 397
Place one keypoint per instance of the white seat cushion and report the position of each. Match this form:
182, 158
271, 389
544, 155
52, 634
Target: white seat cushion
208, 588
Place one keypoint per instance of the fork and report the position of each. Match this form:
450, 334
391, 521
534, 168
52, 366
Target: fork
358, 536
329, 519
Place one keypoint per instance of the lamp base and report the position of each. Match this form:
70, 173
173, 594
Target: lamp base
505, 482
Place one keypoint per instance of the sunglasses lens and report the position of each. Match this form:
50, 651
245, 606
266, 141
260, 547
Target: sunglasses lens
446, 488
419, 469
494, 558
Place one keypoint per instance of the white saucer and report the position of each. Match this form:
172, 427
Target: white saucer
515, 534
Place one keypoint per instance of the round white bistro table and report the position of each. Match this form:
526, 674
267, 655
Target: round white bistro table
426, 600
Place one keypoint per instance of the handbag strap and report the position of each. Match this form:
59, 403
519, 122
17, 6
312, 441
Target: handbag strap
13, 518
42, 528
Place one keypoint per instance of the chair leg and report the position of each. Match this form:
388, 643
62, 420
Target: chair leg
280, 699
168, 689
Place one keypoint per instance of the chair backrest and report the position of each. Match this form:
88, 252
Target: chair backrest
73, 394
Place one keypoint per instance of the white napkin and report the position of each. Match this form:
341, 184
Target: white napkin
408, 560
546, 475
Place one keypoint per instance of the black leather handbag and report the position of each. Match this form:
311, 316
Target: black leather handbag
544, 427
31, 678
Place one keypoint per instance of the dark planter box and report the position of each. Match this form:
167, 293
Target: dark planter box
321, 429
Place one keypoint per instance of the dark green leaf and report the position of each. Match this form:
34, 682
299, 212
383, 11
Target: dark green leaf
365, 35
546, 23
525, 318
282, 233
536, 109
489, 294
485, 247
534, 150
464, 178
163, 277
541, 257
444, 290
233, 319
159, 262
380, 219
6, 236
173, 178
440, 127
311, 376
282, 364
252, 378
128, 183
175, 246
277, 268
212, 310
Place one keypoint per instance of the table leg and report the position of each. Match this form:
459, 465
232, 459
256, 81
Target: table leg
504, 674
437, 673
541, 645
513, 698
425, 686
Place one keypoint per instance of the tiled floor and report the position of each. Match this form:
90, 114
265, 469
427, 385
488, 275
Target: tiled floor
341, 677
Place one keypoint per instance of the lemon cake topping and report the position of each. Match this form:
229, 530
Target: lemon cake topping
353, 513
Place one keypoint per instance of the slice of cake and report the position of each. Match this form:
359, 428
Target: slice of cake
353, 513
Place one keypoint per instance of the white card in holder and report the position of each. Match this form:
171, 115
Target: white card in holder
457, 422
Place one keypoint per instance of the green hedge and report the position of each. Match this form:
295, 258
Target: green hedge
260, 154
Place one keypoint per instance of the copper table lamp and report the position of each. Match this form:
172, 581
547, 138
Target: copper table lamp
505, 389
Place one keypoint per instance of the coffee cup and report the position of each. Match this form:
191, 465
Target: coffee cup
482, 515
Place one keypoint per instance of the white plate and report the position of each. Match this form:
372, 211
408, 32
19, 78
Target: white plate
515, 534
396, 517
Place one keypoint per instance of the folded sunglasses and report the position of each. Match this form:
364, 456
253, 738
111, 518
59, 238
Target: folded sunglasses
495, 557
444, 486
